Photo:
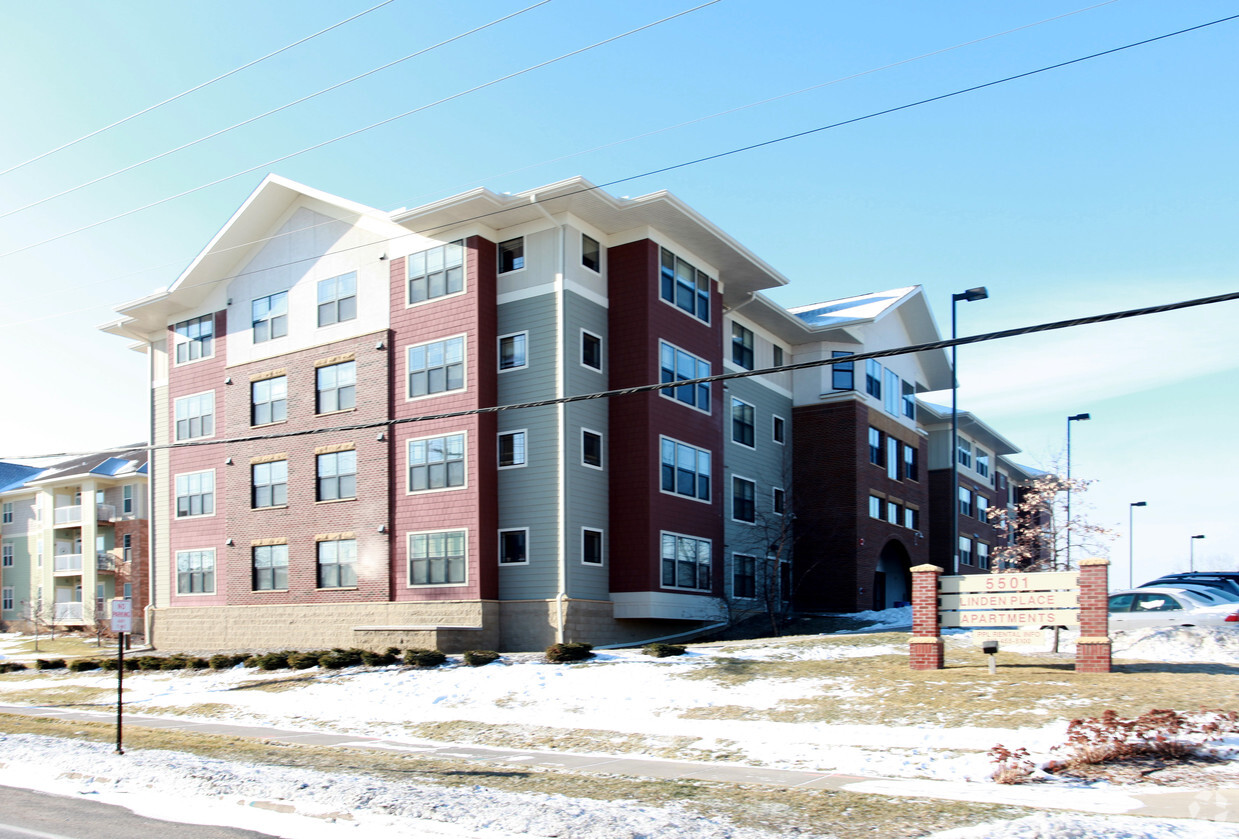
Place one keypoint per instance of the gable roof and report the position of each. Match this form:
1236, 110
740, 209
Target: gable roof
14, 475
116, 463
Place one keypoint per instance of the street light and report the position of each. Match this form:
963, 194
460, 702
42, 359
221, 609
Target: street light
1131, 541
1191, 544
1070, 420
969, 296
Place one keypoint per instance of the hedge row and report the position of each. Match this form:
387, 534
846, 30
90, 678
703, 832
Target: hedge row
334, 659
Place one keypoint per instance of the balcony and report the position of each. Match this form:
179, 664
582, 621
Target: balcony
70, 565
72, 515
62, 612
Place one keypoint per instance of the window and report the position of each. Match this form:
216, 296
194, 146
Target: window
875, 446
7, 516
894, 512
270, 567
685, 562
195, 494
982, 555
513, 547
512, 255
873, 378
591, 448
875, 507
742, 346
909, 400
126, 553
6, 599
892, 458
512, 355
743, 500
437, 463
778, 501
742, 423
982, 462
965, 550
128, 591
437, 559
778, 355
591, 253
195, 416
6, 556
193, 338
911, 518
337, 563
685, 470
337, 299
744, 576
964, 452
891, 392
126, 499
436, 367
684, 286
269, 400
982, 507
270, 484
911, 456
678, 366
195, 572
269, 317
779, 430
591, 546
965, 501
337, 475
511, 449
436, 272
335, 387
842, 373
591, 350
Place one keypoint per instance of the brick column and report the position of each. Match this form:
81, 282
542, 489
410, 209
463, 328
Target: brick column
925, 647
1093, 647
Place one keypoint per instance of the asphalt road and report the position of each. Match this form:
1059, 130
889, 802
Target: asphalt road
36, 815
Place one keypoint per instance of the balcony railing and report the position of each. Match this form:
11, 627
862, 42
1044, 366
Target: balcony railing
105, 562
67, 562
68, 515
67, 612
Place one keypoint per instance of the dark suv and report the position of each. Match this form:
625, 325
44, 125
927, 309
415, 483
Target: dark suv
1227, 580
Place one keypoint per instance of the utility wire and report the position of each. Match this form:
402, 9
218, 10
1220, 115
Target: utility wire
909, 349
357, 131
194, 89
283, 107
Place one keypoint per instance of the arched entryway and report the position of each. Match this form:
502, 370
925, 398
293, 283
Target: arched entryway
892, 581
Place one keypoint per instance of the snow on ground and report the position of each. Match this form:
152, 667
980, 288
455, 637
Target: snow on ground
1071, 826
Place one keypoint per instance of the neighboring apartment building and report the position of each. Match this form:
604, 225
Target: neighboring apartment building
73, 537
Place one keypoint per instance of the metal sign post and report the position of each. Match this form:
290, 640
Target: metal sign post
122, 622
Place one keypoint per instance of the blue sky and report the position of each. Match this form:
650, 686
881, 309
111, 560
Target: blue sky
1105, 185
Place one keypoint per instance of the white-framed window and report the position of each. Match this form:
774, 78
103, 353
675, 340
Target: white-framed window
891, 400
741, 346
685, 562
6, 555
436, 367
591, 350
965, 501
873, 378
269, 317
128, 591
892, 458
337, 475
677, 366
911, 518
7, 516
337, 563
194, 339
982, 507
126, 551
911, 470
591, 253
513, 351
743, 423
965, 550
270, 567
875, 507
685, 469
982, 555
195, 416
437, 463
743, 500
778, 500
894, 512
195, 494
269, 400
909, 400
842, 373
512, 450
335, 387
438, 558
436, 272
591, 546
777, 353
126, 499
591, 448
195, 571
778, 430
512, 255
514, 546
875, 446
269, 484
982, 462
337, 299
964, 453
743, 576
6, 599
684, 287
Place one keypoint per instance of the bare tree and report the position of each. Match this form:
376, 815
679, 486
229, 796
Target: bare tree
1038, 535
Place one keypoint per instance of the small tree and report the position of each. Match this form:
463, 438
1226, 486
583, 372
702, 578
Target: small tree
39, 615
1037, 532
770, 541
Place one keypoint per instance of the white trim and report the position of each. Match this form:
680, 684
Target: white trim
214, 405
464, 268
601, 253
523, 432
214, 493
732, 423
176, 583
408, 558
735, 596
708, 541
498, 262
667, 605
499, 558
775, 419
602, 547
407, 491
674, 494
602, 449
176, 343
734, 478
602, 358
774, 507
499, 368
669, 392
464, 355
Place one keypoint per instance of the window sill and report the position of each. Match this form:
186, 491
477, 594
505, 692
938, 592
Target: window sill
272, 507
335, 500
269, 424
336, 588
269, 591
333, 413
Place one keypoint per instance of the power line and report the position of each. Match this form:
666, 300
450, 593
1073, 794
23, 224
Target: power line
357, 131
283, 107
194, 89
909, 349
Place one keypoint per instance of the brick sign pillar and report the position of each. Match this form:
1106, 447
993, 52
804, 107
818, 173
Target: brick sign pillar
1093, 647
925, 648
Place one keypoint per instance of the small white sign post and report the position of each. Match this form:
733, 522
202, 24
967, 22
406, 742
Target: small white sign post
122, 623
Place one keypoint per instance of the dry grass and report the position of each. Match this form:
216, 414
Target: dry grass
62, 646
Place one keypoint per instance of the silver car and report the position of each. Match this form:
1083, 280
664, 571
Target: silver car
1172, 606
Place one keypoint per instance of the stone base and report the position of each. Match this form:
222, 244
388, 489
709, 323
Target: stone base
926, 653
1093, 656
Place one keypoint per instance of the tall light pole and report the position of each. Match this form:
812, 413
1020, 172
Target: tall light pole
1131, 541
1070, 420
1191, 544
969, 296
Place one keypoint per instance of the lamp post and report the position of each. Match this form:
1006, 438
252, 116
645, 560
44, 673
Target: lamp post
969, 296
1070, 420
1131, 541
1191, 544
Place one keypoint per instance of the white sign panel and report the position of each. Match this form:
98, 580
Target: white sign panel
122, 616
1012, 617
1010, 637
1009, 582
1011, 600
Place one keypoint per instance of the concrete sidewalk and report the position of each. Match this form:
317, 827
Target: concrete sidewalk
1162, 802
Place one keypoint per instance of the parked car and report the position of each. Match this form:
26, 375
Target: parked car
1172, 606
1227, 580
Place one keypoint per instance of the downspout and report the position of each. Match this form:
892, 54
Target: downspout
561, 423
148, 617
